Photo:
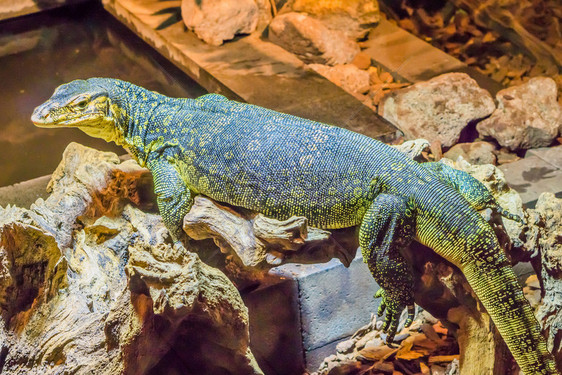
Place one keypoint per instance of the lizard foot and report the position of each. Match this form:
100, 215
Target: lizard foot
394, 306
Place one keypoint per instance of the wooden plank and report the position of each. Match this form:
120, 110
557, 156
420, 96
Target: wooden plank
409, 58
251, 69
16, 8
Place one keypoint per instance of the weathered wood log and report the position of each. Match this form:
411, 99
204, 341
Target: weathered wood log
89, 284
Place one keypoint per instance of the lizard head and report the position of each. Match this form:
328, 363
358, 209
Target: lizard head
81, 104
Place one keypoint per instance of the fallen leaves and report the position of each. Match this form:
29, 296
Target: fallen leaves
424, 348
504, 49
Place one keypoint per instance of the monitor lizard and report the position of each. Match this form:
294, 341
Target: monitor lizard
282, 165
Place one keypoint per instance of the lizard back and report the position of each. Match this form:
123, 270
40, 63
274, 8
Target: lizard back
281, 165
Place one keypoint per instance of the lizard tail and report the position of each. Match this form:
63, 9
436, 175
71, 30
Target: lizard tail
497, 288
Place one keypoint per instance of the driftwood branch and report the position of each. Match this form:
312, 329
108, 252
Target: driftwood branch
259, 241
89, 284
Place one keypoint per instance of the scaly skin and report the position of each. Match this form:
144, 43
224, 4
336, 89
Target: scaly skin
281, 165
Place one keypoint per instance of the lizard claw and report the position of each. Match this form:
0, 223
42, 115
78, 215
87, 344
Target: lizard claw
411, 315
394, 308
382, 306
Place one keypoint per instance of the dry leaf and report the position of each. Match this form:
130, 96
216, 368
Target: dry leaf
443, 358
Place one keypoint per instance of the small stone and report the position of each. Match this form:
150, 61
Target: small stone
362, 61
374, 343
438, 109
348, 77
474, 153
437, 370
311, 40
504, 156
372, 335
345, 346
528, 115
215, 21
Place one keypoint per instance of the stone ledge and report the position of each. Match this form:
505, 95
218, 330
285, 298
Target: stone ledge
539, 171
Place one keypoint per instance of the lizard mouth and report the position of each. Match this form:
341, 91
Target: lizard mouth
47, 121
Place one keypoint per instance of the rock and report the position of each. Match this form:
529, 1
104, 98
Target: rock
474, 153
311, 40
362, 61
437, 109
528, 115
345, 346
90, 285
215, 21
352, 17
348, 77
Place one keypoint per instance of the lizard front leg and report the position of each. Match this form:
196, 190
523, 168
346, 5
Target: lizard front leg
173, 196
388, 226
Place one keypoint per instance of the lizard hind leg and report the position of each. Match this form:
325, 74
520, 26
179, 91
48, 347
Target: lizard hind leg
387, 227
475, 192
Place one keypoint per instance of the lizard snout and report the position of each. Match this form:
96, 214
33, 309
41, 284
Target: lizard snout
41, 115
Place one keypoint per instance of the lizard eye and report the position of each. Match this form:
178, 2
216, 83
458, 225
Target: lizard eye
83, 103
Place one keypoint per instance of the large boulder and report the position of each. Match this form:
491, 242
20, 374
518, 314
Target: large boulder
215, 21
438, 109
528, 115
311, 40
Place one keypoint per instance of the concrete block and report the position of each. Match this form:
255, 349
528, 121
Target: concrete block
307, 311
551, 155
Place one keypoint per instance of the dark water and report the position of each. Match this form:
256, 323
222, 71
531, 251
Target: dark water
40, 52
